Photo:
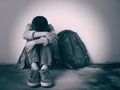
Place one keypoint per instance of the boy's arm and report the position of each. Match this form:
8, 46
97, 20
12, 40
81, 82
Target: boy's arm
31, 44
32, 34
41, 40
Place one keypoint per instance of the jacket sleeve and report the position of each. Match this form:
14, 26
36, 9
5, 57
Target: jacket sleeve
28, 35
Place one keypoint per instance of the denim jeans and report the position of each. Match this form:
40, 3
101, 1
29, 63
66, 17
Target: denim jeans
40, 54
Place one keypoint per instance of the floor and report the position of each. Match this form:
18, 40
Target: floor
92, 77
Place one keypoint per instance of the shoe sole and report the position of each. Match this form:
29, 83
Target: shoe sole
33, 84
43, 84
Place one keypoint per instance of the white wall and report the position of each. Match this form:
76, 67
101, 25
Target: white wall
96, 21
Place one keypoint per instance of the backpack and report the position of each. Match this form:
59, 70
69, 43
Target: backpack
72, 50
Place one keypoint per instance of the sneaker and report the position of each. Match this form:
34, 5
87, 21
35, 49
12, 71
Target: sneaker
46, 79
34, 78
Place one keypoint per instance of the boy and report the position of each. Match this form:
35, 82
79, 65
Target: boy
40, 38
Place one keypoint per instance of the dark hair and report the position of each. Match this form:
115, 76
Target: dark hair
40, 23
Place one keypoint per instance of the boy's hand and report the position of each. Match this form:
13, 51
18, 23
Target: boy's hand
52, 37
44, 40
28, 26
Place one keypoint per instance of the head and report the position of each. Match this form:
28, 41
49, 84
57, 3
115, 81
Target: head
40, 23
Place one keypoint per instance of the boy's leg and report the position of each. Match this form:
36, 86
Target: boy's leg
32, 54
46, 55
34, 77
46, 60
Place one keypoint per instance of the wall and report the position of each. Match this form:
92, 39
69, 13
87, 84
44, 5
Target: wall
96, 21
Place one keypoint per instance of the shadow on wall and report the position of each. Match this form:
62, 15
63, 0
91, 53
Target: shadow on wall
111, 15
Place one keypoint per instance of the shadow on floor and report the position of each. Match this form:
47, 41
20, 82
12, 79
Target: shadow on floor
93, 77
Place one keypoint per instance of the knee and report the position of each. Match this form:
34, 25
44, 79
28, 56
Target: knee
34, 66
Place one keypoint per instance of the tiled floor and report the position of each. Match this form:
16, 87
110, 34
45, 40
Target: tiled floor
95, 77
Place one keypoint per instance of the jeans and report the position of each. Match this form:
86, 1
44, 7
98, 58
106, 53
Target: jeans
40, 54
